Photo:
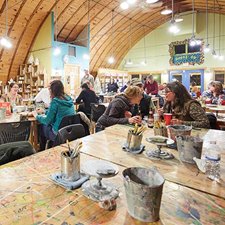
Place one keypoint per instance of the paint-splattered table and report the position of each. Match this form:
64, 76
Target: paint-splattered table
28, 196
108, 145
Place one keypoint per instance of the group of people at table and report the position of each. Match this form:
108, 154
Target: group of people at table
128, 107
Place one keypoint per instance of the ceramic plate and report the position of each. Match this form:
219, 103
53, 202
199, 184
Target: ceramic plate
100, 168
168, 140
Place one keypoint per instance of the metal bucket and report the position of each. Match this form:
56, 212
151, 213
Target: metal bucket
189, 147
143, 189
134, 141
70, 167
175, 130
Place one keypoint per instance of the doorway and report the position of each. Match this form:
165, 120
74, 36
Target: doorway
186, 77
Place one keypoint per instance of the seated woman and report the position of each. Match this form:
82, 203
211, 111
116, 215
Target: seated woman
215, 92
146, 102
87, 96
186, 110
12, 96
60, 106
118, 111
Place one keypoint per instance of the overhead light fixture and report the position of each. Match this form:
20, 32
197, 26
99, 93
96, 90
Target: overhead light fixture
151, 1
214, 54
111, 60
193, 41
173, 27
86, 56
166, 11
221, 57
207, 48
144, 62
56, 51
178, 18
129, 62
5, 41
124, 5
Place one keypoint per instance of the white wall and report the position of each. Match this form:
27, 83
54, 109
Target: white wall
157, 49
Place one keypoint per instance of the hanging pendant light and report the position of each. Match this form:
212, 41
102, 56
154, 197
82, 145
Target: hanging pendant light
193, 41
57, 49
173, 26
129, 61
5, 40
206, 48
214, 32
144, 62
111, 59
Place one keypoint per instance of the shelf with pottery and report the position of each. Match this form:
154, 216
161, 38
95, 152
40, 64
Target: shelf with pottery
105, 75
30, 80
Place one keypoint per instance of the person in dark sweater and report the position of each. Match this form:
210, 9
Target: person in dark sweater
113, 86
87, 96
118, 111
145, 104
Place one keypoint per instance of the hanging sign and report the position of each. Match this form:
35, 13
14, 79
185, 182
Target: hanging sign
181, 52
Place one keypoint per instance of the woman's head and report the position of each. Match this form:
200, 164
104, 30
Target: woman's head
85, 86
56, 89
193, 84
216, 87
13, 88
134, 94
177, 93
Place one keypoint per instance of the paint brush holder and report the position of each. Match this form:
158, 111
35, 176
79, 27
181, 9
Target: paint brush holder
134, 141
70, 166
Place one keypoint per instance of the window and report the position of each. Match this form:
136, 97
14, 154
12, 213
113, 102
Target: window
72, 51
196, 48
219, 76
179, 49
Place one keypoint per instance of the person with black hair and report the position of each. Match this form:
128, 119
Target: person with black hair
61, 105
87, 96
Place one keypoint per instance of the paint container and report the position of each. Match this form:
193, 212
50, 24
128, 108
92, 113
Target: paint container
175, 130
134, 141
189, 147
143, 189
161, 131
70, 167
2, 113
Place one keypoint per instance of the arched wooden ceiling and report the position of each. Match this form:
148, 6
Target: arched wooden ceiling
25, 17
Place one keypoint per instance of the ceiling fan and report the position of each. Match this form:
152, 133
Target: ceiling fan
148, 5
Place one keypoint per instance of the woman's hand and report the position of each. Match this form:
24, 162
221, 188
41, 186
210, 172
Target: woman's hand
128, 114
34, 114
135, 119
160, 111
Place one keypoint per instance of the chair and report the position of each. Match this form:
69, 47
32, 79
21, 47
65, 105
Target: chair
12, 132
68, 120
70, 133
212, 120
96, 111
15, 150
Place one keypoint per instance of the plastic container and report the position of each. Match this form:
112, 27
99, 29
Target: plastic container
212, 167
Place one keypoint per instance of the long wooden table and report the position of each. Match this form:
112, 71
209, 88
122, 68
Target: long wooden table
28, 196
108, 145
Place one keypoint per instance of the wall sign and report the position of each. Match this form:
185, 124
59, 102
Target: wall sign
181, 52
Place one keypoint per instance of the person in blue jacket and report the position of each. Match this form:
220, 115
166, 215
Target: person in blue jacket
60, 106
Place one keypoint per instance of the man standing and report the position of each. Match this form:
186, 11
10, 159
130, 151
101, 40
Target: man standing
87, 77
151, 86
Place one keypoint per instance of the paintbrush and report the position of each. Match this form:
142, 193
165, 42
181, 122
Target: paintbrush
76, 150
70, 151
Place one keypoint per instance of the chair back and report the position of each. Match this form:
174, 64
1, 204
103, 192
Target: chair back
96, 111
68, 120
71, 133
212, 120
12, 132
